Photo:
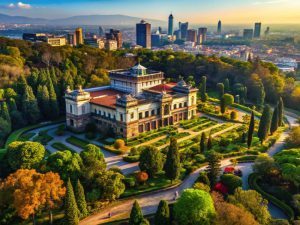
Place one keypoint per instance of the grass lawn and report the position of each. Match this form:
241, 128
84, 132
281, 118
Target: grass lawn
159, 182
43, 138
26, 136
80, 143
61, 147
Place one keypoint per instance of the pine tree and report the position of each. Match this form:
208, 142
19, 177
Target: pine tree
172, 165
209, 142
214, 167
71, 210
275, 118
54, 111
226, 85
30, 106
4, 113
280, 112
264, 124
251, 130
80, 200
220, 88
223, 105
12, 106
136, 215
162, 216
202, 142
203, 89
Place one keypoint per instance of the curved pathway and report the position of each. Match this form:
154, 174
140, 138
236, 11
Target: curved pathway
149, 201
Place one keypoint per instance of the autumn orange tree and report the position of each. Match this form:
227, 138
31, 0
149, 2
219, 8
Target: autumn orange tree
31, 191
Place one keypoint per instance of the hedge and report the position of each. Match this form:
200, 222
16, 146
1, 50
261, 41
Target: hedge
80, 143
246, 109
252, 180
61, 147
131, 159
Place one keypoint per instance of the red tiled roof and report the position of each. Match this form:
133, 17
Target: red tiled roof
106, 98
163, 87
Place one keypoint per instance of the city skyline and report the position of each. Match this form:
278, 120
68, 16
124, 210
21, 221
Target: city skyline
231, 12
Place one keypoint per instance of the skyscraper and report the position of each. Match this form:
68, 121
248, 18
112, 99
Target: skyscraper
143, 34
219, 27
192, 35
115, 35
71, 38
79, 36
257, 30
267, 31
202, 31
248, 33
101, 31
171, 23
183, 27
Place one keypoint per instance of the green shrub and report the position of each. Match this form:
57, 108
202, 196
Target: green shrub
131, 159
129, 182
119, 143
231, 181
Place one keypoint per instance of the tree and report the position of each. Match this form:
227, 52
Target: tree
220, 88
264, 124
251, 130
293, 139
71, 210
4, 113
25, 155
275, 119
264, 165
231, 181
226, 85
80, 200
214, 167
203, 142
43, 100
222, 105
228, 99
142, 177
30, 107
151, 160
229, 214
136, 215
194, 207
172, 165
203, 93
54, 110
280, 112
209, 142
233, 115
119, 144
162, 215
201, 186
253, 202
203, 178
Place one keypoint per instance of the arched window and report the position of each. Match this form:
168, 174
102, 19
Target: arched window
166, 110
71, 109
193, 100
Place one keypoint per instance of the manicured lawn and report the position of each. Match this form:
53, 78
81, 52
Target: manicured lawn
26, 136
80, 143
43, 137
61, 147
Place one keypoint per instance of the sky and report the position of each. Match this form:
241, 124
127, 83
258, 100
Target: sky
193, 11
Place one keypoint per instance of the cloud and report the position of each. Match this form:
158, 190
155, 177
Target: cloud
268, 2
19, 5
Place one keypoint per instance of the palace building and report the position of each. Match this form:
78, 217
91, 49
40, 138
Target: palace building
137, 100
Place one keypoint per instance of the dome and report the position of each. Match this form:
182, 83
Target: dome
138, 70
138, 67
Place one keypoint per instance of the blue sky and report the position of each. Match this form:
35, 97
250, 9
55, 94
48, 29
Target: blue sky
194, 11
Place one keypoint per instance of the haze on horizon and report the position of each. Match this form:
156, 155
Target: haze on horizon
193, 11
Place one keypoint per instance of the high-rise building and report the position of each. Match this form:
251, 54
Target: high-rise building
101, 31
79, 36
183, 27
160, 30
115, 35
156, 39
267, 31
219, 31
257, 30
177, 33
171, 24
71, 38
202, 32
143, 34
192, 35
248, 33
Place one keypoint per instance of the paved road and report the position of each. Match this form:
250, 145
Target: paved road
149, 201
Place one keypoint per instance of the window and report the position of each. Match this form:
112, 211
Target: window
121, 117
83, 109
95, 111
71, 109
146, 114
158, 111
193, 100
104, 113
99, 112
185, 104
180, 105
132, 115
140, 115
174, 106
152, 112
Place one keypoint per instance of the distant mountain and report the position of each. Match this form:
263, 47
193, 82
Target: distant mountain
80, 20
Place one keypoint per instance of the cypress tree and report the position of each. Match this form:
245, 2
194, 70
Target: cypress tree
172, 164
12, 106
54, 111
223, 105
43, 100
80, 199
209, 142
226, 85
71, 210
214, 167
264, 124
30, 106
136, 215
280, 112
162, 215
4, 113
251, 130
203, 89
220, 88
274, 123
202, 142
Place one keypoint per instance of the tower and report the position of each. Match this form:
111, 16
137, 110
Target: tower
143, 34
171, 24
257, 30
219, 27
79, 36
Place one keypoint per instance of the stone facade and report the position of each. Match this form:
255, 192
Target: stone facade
136, 101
